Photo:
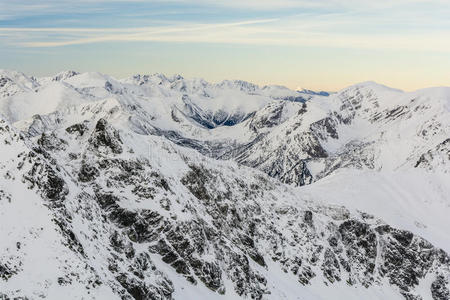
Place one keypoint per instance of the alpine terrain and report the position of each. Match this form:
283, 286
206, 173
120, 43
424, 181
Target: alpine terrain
155, 187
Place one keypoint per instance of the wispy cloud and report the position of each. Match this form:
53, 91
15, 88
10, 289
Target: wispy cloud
16, 8
407, 24
343, 30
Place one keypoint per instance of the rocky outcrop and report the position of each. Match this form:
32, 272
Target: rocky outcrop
105, 137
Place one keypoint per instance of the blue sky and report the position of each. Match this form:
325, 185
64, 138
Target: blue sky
322, 45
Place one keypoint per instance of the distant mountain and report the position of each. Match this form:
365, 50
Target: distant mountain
156, 187
310, 92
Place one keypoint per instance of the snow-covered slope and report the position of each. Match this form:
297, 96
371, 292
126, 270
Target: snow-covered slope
157, 187
363, 126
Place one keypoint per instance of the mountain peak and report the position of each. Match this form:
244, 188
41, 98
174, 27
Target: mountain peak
373, 86
65, 75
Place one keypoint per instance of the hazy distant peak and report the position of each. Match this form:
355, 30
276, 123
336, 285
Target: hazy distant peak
65, 75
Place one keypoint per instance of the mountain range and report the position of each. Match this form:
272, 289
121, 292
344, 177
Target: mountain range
156, 187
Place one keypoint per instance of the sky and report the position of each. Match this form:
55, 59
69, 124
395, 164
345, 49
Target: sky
314, 44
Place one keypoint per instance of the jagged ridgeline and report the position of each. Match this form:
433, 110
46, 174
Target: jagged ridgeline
167, 188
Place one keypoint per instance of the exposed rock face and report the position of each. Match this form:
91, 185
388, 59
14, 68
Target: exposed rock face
51, 142
438, 156
104, 136
79, 129
439, 288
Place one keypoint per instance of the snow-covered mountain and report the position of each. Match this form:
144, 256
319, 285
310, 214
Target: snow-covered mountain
156, 187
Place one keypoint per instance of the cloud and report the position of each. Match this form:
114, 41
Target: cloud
26, 7
408, 24
291, 32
